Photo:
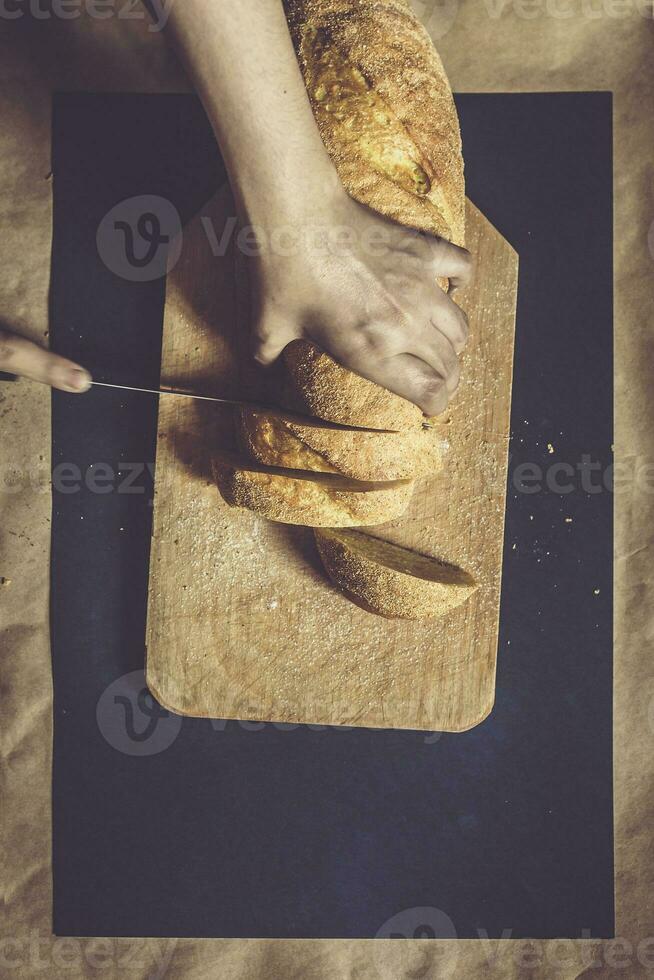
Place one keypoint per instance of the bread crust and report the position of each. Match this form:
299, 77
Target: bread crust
386, 115
277, 439
322, 500
389, 580
315, 384
381, 46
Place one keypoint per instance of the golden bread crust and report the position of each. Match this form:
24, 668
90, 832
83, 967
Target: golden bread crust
373, 61
317, 385
275, 439
389, 580
386, 115
325, 500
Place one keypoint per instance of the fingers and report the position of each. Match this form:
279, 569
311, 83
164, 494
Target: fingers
412, 378
429, 304
22, 357
436, 350
437, 339
427, 301
405, 374
415, 361
450, 320
452, 261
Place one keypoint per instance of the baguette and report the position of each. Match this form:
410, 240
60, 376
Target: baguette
279, 439
386, 115
384, 109
291, 496
390, 580
315, 384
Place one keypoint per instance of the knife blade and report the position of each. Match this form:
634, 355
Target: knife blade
173, 391
213, 398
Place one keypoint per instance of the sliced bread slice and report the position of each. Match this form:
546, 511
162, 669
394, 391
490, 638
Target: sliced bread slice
292, 496
282, 439
315, 384
390, 580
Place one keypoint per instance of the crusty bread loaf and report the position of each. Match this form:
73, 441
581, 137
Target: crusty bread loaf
316, 385
280, 439
384, 108
316, 500
390, 580
386, 115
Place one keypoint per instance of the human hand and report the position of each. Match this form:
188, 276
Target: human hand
368, 295
376, 308
22, 357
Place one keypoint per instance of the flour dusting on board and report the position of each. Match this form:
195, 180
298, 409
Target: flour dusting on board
243, 623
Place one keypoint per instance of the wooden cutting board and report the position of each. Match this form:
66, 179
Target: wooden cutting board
242, 622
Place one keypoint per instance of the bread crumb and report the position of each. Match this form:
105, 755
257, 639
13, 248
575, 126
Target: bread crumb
4, 581
596, 591
550, 447
568, 520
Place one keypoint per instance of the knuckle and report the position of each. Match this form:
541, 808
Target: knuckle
402, 283
355, 345
370, 341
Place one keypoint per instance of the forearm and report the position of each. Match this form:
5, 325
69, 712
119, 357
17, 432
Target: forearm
370, 300
240, 56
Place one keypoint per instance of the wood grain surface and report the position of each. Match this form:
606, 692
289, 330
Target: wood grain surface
242, 621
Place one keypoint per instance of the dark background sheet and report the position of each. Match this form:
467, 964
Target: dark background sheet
225, 829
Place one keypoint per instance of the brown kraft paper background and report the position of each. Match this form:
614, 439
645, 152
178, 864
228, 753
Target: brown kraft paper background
487, 46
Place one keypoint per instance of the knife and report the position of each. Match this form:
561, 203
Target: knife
224, 401
164, 390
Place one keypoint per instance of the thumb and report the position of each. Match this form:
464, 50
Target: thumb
271, 335
20, 356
